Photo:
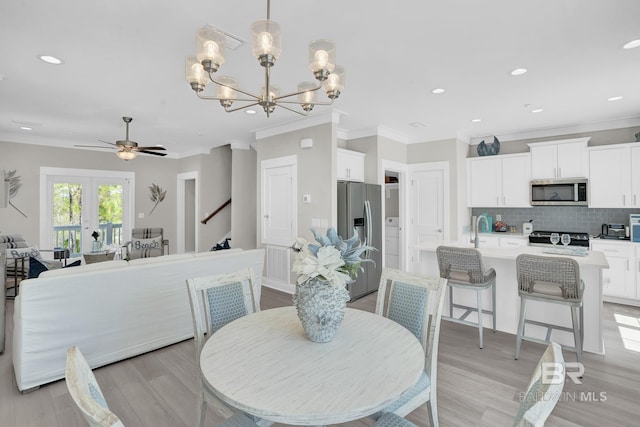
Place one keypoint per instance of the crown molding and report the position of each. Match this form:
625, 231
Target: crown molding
563, 130
383, 131
239, 145
332, 116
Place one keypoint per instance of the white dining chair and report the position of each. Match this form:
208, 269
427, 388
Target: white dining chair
215, 301
415, 301
537, 403
86, 392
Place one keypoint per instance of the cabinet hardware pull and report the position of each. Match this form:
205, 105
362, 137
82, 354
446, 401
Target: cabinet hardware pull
559, 172
624, 200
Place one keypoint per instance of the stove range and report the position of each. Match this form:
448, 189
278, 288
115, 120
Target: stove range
543, 238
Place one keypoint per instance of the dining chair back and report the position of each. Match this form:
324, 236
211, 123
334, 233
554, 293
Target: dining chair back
415, 301
544, 391
215, 301
555, 280
86, 392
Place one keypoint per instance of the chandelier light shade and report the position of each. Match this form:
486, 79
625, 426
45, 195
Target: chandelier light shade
322, 58
266, 47
126, 154
210, 47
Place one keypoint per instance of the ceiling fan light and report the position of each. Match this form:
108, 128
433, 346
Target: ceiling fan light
210, 48
334, 84
265, 39
126, 155
195, 74
322, 58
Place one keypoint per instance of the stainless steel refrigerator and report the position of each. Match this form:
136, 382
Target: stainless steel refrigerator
359, 207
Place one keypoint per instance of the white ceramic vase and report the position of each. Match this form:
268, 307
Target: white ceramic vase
320, 308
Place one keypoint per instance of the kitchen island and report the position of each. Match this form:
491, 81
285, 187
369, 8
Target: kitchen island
503, 260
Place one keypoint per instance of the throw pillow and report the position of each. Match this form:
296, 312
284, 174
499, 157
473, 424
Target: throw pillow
144, 248
37, 266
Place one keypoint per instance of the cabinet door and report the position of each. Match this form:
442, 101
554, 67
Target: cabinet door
609, 178
350, 165
483, 182
515, 181
570, 160
635, 177
617, 280
543, 161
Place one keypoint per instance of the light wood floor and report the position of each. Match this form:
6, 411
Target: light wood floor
475, 387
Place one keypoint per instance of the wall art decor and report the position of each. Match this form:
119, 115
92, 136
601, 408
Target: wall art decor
156, 194
14, 186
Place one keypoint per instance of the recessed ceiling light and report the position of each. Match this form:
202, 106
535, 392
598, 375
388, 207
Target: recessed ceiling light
518, 71
25, 128
537, 110
476, 120
632, 44
250, 111
437, 90
50, 59
614, 98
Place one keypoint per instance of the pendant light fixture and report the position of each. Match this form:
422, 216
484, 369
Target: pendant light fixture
201, 70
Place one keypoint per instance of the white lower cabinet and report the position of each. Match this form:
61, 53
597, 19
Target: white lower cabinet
495, 240
619, 280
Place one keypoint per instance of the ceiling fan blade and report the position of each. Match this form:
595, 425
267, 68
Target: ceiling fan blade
152, 148
94, 146
151, 152
107, 142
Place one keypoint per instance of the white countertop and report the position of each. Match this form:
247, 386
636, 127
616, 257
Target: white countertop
594, 258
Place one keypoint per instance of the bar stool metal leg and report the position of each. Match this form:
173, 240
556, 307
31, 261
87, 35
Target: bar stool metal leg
520, 332
480, 315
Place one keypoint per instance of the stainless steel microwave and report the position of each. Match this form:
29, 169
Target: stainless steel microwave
559, 192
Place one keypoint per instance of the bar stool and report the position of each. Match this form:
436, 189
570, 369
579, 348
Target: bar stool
554, 280
463, 269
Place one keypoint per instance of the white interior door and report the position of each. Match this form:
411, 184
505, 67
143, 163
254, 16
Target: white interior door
429, 205
278, 207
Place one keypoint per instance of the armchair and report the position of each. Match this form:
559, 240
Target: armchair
146, 242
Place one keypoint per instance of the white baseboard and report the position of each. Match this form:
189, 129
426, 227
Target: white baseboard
278, 285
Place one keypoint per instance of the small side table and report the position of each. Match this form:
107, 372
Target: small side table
93, 257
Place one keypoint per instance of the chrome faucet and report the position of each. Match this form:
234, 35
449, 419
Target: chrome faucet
476, 242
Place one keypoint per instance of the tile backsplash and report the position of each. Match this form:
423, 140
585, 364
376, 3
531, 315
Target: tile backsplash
560, 218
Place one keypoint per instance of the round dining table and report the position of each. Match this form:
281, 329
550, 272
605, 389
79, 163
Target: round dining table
264, 364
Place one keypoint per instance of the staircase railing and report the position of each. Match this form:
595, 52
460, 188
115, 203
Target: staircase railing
214, 213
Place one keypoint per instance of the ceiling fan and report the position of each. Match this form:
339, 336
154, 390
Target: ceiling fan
127, 149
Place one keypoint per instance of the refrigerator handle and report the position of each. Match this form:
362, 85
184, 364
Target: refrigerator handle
367, 209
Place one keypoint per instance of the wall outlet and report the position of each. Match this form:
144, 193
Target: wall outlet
306, 198
498, 217
140, 215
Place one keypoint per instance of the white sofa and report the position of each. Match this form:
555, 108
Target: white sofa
111, 310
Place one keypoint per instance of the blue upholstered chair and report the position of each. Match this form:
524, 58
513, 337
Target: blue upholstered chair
215, 301
463, 269
537, 402
86, 393
415, 301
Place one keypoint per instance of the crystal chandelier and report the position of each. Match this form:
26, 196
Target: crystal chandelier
265, 39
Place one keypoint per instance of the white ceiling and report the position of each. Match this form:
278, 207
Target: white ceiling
127, 58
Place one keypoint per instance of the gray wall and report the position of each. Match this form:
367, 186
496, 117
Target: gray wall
243, 195
316, 174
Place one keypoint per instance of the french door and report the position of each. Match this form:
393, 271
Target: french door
82, 206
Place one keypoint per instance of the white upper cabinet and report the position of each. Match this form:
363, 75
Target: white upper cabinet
350, 165
495, 181
559, 159
613, 182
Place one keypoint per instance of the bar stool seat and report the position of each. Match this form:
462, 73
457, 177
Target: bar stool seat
464, 270
554, 280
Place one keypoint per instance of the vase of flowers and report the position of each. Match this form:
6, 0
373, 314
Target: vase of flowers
324, 270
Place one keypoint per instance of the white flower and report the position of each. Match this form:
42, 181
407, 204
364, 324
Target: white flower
324, 266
